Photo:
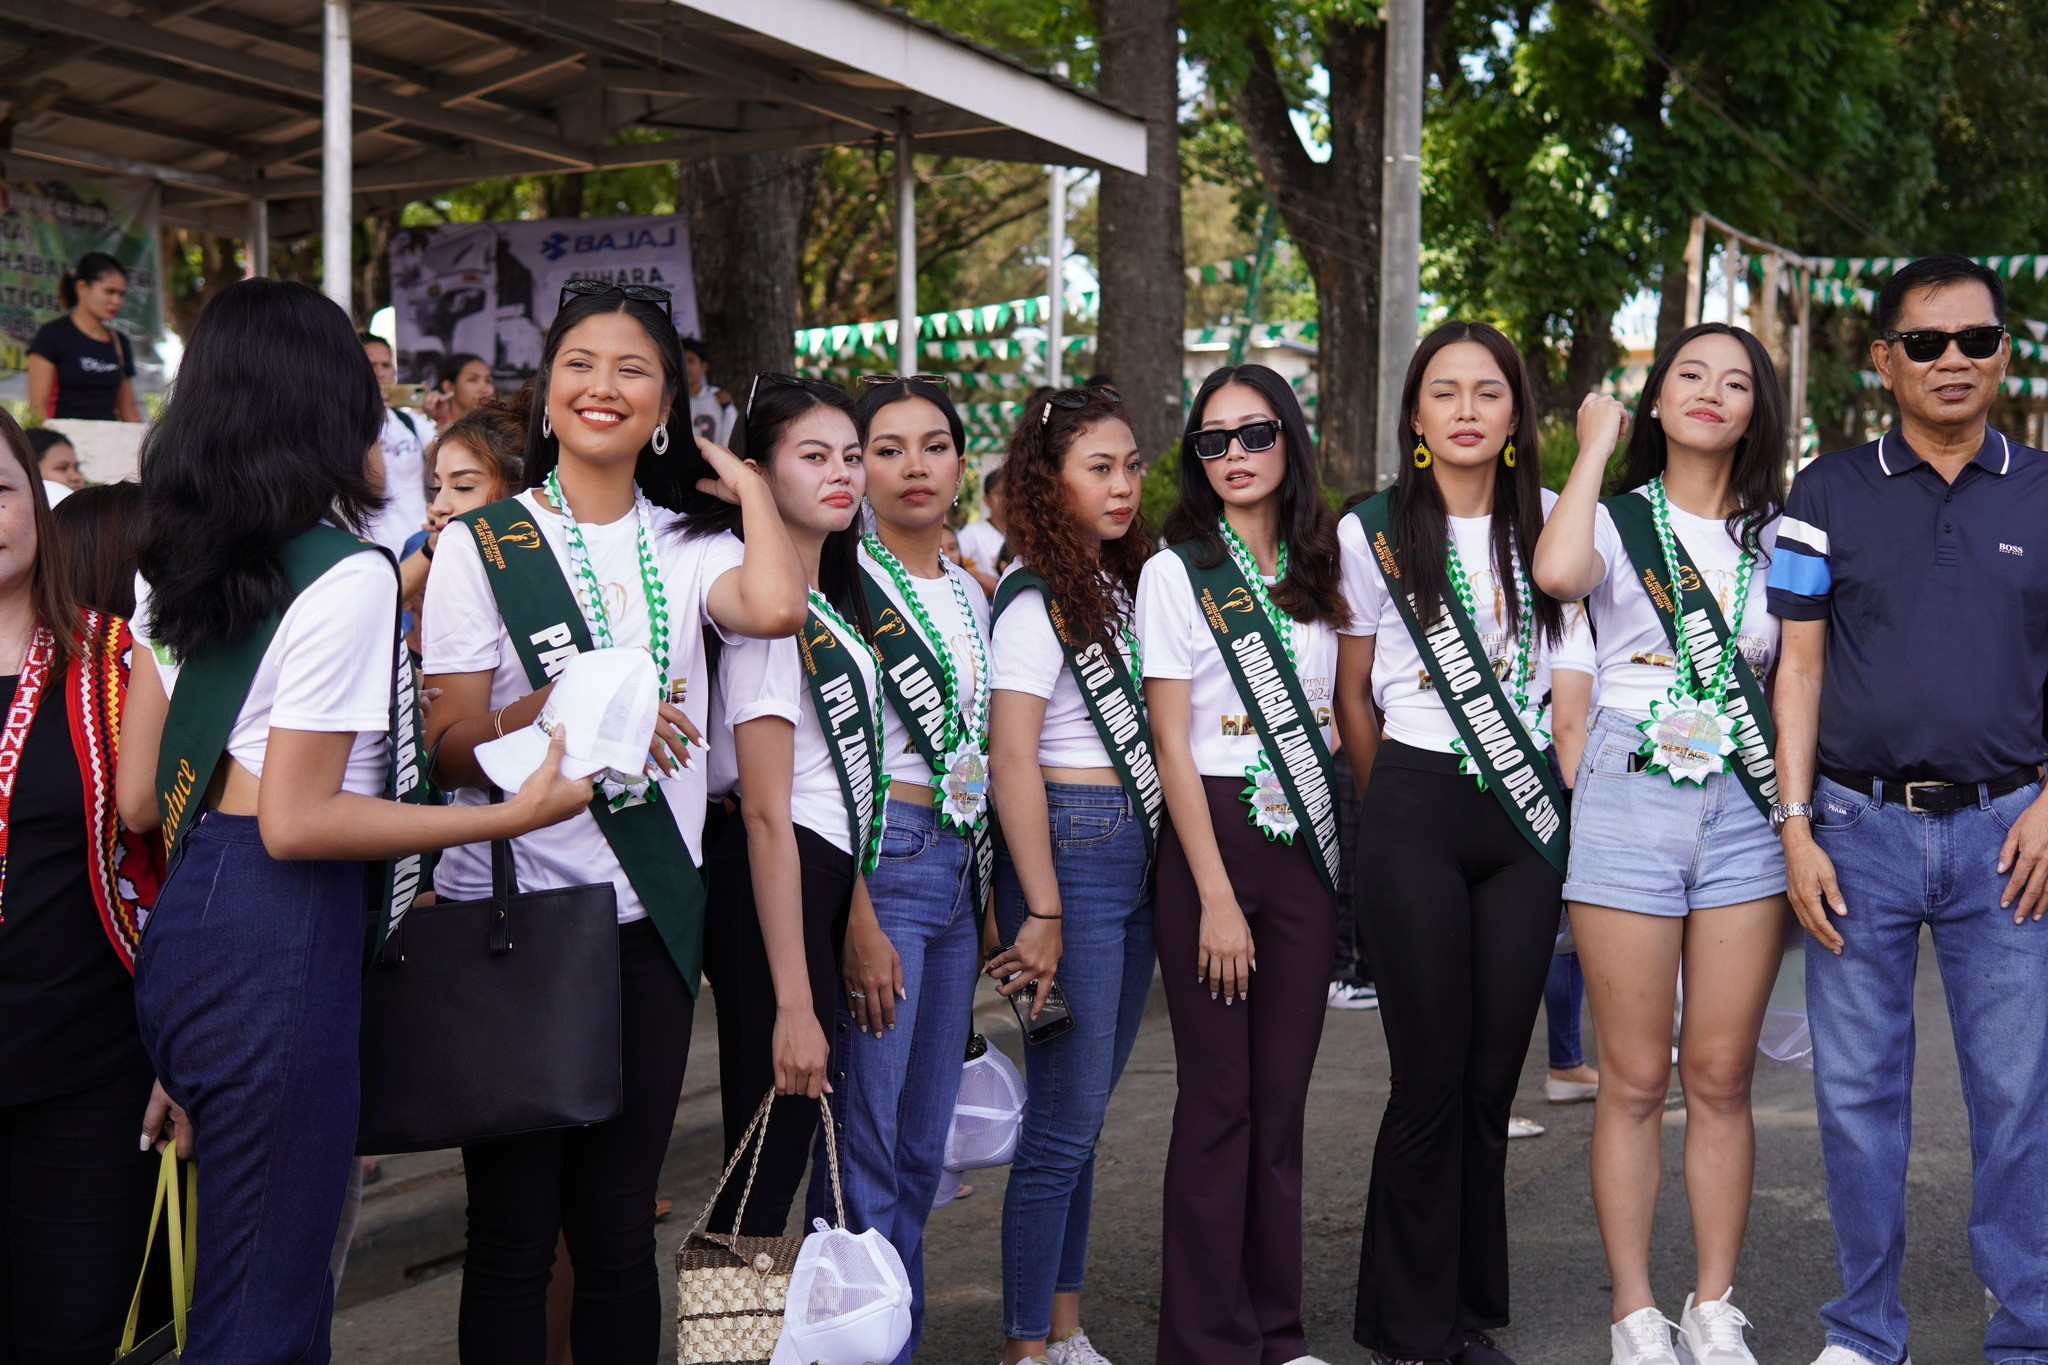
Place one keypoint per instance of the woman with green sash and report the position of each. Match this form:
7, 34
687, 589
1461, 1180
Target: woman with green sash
270, 723
914, 933
1674, 866
593, 554
1237, 624
1462, 833
795, 757
1071, 763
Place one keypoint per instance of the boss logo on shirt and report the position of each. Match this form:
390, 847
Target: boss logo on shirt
2006, 549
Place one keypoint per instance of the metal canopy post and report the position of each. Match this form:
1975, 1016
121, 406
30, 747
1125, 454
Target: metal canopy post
906, 253
336, 149
1056, 278
256, 251
1400, 227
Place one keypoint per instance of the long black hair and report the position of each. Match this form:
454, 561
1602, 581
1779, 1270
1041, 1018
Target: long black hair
757, 431
267, 432
1758, 477
668, 479
1312, 590
90, 268
1420, 519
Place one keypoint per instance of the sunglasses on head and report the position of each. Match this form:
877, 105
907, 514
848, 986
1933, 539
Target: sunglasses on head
1072, 400
873, 381
639, 293
1212, 444
817, 387
1926, 344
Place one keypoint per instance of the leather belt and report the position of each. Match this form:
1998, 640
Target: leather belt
1930, 798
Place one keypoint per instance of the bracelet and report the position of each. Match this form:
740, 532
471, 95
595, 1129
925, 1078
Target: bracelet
1029, 913
498, 720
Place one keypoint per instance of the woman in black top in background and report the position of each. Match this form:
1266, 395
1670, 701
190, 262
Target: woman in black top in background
78, 364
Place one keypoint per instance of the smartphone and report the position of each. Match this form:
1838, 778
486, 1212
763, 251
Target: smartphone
403, 395
1052, 1021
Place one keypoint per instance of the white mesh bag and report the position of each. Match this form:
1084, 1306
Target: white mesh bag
989, 1112
849, 1301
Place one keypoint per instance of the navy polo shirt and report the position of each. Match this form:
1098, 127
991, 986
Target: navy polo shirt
1936, 599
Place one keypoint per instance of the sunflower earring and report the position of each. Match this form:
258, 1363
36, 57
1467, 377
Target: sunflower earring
1422, 455
1507, 455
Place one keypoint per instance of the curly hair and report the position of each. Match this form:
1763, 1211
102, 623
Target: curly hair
1044, 531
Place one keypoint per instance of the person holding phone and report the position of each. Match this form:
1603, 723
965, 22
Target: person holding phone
1071, 765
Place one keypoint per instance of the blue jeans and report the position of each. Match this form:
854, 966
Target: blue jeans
248, 988
893, 1092
1105, 971
1564, 991
1898, 871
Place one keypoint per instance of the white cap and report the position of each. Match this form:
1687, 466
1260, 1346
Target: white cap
605, 706
849, 1301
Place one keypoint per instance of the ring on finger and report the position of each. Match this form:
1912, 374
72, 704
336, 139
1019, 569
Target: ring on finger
858, 995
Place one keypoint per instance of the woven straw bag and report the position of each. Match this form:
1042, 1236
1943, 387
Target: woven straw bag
730, 1290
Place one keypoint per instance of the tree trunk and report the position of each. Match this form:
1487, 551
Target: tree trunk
1138, 342
1593, 356
746, 251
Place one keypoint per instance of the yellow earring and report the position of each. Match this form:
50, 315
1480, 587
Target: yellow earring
1508, 455
1422, 455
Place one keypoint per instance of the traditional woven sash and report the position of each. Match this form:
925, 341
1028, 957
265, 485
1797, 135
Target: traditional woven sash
1516, 773
1756, 738
1114, 704
547, 629
1267, 684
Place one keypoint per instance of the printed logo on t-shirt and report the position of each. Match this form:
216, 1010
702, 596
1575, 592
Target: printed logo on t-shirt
1246, 727
94, 365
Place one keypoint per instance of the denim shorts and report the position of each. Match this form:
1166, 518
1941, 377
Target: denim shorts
1643, 842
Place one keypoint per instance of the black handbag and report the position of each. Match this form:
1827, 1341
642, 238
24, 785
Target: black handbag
492, 1018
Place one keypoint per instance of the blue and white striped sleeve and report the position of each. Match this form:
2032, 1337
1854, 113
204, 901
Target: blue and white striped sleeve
1801, 580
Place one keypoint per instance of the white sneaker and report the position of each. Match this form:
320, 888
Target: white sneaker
1345, 996
1075, 1350
1519, 1127
1833, 1354
1710, 1333
1308, 1360
1642, 1338
1569, 1092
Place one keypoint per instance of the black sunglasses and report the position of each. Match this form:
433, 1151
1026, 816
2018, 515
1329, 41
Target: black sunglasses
817, 387
1211, 444
1072, 400
639, 293
871, 381
1924, 345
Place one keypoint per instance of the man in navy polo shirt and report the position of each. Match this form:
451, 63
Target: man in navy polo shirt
1911, 575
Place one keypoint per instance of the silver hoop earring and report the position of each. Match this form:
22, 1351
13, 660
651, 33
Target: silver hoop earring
547, 428
660, 441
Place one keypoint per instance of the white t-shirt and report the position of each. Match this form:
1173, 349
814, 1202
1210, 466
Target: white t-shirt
327, 670
1026, 656
1401, 685
1635, 655
758, 678
981, 542
461, 632
710, 418
1177, 643
900, 756
405, 481
1575, 651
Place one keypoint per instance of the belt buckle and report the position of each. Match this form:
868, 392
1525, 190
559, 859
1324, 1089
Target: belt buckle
1922, 810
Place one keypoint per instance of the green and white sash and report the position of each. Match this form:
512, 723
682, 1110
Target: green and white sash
852, 728
910, 680
547, 629
1114, 704
1257, 659
1514, 769
214, 683
1756, 737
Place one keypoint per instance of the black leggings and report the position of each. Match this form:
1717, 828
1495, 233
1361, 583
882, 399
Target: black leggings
1462, 914
736, 963
74, 1205
594, 1187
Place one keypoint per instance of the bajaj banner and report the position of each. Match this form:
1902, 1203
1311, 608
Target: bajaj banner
45, 226
490, 289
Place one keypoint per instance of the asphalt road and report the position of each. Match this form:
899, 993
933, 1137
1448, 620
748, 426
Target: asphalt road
1560, 1280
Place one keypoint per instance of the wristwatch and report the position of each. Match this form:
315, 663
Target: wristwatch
1789, 810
